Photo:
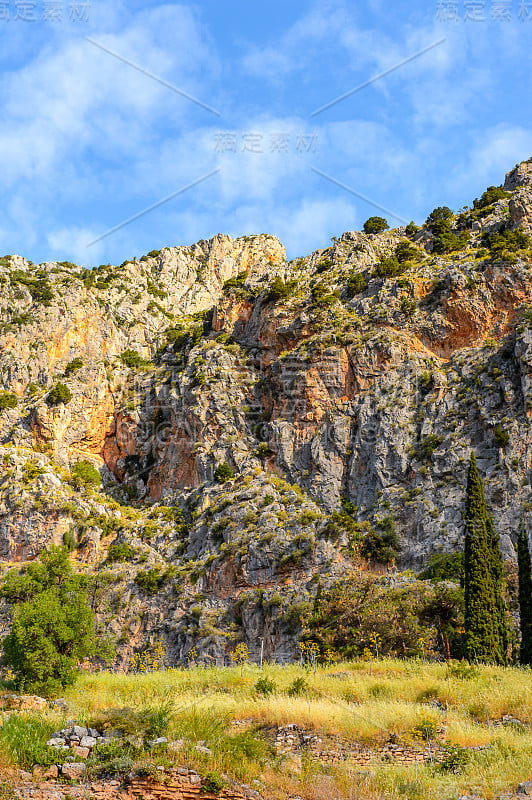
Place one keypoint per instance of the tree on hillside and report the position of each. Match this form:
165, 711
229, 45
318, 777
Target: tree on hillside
52, 625
498, 588
375, 225
439, 221
525, 594
485, 637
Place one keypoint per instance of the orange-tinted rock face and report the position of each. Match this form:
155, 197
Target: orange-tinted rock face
80, 331
78, 429
177, 467
366, 394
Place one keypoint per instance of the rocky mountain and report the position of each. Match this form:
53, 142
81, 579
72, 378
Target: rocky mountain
214, 430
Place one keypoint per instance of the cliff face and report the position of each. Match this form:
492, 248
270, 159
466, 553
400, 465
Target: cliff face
343, 381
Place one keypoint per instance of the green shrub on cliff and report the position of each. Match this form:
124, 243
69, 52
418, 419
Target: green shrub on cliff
223, 472
85, 474
59, 394
279, 290
73, 366
491, 195
505, 245
8, 400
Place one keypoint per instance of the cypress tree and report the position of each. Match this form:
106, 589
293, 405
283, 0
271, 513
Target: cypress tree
525, 594
483, 634
501, 656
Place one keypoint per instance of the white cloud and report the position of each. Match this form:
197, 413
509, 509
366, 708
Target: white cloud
87, 141
70, 244
492, 154
74, 99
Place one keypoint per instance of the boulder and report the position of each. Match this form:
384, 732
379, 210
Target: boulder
88, 741
73, 771
81, 752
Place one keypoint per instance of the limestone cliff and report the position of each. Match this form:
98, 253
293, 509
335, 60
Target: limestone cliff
358, 377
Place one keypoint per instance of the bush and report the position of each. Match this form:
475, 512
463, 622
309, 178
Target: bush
30, 471
262, 450
8, 400
429, 445
411, 229
455, 758
223, 472
53, 626
183, 339
444, 567
443, 609
382, 545
70, 540
37, 286
265, 686
213, 783
323, 265
389, 267
449, 242
59, 394
85, 474
236, 283
140, 727
375, 225
298, 687
149, 580
491, 195
122, 552
426, 728
504, 245
408, 306
426, 383
279, 290
502, 437
406, 251
108, 760
355, 608
321, 295
130, 358
355, 284
72, 367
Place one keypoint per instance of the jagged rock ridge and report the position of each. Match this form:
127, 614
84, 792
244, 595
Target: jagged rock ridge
321, 381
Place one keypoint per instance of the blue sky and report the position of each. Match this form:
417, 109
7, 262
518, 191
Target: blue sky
88, 141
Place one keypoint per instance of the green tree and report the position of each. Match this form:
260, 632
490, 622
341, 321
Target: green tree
8, 400
223, 472
59, 394
439, 220
491, 195
375, 225
498, 588
525, 595
73, 366
52, 625
279, 290
355, 284
482, 618
84, 473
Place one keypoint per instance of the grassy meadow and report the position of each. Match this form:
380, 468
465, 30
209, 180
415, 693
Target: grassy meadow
356, 702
